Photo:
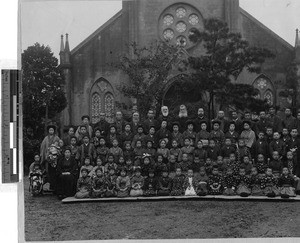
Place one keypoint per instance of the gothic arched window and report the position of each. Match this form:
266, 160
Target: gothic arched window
265, 89
176, 23
102, 100
96, 107
109, 106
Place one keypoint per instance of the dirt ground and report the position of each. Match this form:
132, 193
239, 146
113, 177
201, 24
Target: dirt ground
47, 219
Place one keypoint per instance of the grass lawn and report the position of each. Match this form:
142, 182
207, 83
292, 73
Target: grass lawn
47, 219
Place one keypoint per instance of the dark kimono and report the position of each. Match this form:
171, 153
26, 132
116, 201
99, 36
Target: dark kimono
164, 186
66, 182
111, 186
286, 186
98, 187
229, 183
243, 186
215, 186
202, 185
269, 186
102, 152
177, 185
84, 186
150, 186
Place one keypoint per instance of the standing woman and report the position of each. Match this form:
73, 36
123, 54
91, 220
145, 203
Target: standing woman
66, 175
50, 139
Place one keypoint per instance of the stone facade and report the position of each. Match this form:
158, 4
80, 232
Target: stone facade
91, 79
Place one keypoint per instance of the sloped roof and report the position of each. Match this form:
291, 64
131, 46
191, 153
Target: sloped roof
269, 31
97, 32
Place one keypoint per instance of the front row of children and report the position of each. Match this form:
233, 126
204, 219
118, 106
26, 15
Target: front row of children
111, 185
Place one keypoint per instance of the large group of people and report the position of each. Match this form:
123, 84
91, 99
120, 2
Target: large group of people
182, 156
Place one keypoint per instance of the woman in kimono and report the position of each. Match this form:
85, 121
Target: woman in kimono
49, 140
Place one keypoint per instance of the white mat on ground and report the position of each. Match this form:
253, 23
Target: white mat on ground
170, 198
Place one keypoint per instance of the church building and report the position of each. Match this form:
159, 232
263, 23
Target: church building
91, 80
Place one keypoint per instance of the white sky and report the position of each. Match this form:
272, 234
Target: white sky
45, 21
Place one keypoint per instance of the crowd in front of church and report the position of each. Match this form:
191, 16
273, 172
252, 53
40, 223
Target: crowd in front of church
183, 156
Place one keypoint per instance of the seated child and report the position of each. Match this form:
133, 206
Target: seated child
208, 166
247, 164
84, 184
164, 184
215, 186
159, 165
172, 165
37, 160
286, 184
98, 184
242, 150
163, 150
87, 165
110, 164
291, 163
177, 183
99, 165
243, 183
234, 164
123, 184
120, 165
36, 179
175, 150
276, 164
185, 163
255, 183
261, 164
200, 153
129, 167
150, 185
111, 180
202, 182
221, 165
137, 183
229, 183
147, 164
190, 184
269, 184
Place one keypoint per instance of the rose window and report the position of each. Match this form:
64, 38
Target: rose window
176, 23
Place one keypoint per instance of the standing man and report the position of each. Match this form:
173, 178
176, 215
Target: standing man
289, 121
274, 120
149, 122
200, 119
102, 124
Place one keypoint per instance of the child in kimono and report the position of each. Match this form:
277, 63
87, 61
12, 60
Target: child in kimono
242, 151
164, 184
102, 150
99, 165
123, 184
227, 148
189, 132
129, 167
190, 184
201, 153
234, 164
163, 150
159, 164
213, 150
110, 164
255, 183
202, 182
269, 184
261, 164
73, 146
286, 184
84, 185
137, 183
290, 162
215, 186
229, 183
243, 183
177, 183
138, 153
111, 180
36, 178
147, 164
120, 165
87, 165
276, 164
98, 184
247, 164
128, 150
150, 185
185, 163
172, 166
115, 150
232, 134
208, 166
203, 134
175, 150
187, 149
149, 149
217, 134
176, 135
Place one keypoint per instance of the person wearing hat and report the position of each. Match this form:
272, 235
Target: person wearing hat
123, 184
189, 132
216, 134
85, 121
248, 135
176, 135
137, 183
50, 139
67, 171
